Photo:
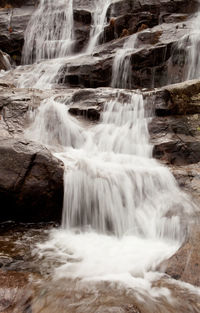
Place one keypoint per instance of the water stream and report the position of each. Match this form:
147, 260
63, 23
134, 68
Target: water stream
121, 213
99, 22
186, 55
49, 33
122, 210
121, 69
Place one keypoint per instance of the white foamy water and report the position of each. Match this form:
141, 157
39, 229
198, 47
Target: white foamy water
99, 22
121, 69
49, 33
41, 75
122, 210
121, 213
193, 70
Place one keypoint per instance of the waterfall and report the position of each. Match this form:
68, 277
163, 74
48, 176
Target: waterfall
193, 53
122, 210
49, 33
117, 198
121, 69
99, 22
185, 61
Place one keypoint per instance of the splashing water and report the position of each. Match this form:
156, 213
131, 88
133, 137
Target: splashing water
121, 213
49, 33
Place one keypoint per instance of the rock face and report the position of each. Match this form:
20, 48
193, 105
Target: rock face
149, 61
31, 182
4, 61
185, 264
13, 22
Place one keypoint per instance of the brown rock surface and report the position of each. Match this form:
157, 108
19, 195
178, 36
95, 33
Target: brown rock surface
15, 289
185, 264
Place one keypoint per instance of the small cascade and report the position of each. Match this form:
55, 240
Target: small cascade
121, 70
119, 187
4, 63
193, 53
44, 128
185, 61
44, 41
99, 22
49, 33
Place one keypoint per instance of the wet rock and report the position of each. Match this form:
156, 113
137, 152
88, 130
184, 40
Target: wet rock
4, 61
15, 290
13, 22
148, 62
157, 7
178, 152
14, 107
82, 16
188, 178
82, 24
16, 3
177, 99
87, 72
82, 35
185, 264
31, 182
185, 97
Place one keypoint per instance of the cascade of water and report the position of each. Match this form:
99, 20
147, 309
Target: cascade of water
185, 61
193, 53
45, 128
121, 213
121, 69
49, 33
112, 187
119, 187
99, 22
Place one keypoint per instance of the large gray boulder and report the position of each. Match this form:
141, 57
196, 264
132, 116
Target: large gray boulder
31, 182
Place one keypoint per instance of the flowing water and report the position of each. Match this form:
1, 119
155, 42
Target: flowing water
49, 33
193, 54
186, 55
121, 69
122, 210
99, 22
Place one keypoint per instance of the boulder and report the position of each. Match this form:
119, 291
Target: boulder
31, 182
